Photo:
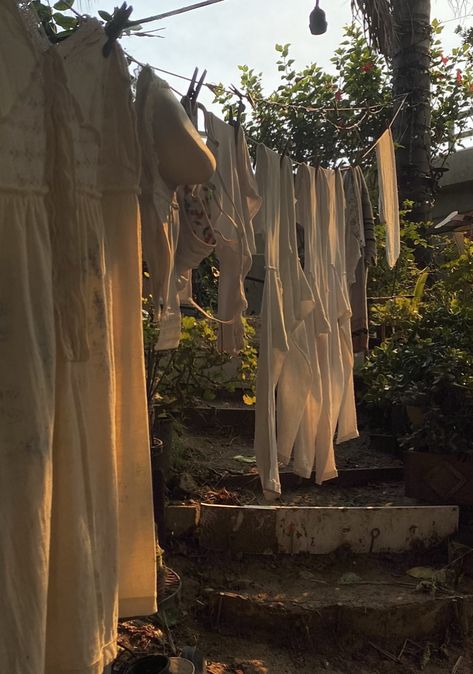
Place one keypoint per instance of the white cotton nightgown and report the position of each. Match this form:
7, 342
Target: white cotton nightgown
120, 167
102, 508
284, 360
27, 351
316, 421
298, 301
237, 202
273, 346
341, 347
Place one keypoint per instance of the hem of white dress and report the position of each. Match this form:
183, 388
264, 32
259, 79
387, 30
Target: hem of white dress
346, 438
137, 606
109, 654
326, 476
302, 472
271, 490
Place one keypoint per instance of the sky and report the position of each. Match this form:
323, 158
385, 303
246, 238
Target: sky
236, 32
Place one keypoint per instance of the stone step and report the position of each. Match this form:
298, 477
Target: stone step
312, 612
259, 530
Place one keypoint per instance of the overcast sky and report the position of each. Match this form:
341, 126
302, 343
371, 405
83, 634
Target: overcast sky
234, 32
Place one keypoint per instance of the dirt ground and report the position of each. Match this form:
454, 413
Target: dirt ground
208, 459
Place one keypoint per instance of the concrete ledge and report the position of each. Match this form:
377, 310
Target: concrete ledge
322, 530
182, 520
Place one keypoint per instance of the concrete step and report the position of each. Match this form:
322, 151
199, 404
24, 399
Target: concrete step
312, 608
259, 530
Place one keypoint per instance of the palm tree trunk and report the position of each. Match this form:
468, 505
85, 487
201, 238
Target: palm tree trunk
411, 76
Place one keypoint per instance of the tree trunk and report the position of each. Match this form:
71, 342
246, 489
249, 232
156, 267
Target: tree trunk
411, 130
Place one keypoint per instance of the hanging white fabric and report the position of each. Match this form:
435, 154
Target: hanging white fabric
388, 195
284, 360
235, 205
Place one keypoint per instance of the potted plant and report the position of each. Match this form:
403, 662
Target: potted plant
426, 366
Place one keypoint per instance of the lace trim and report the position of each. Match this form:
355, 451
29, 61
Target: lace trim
33, 25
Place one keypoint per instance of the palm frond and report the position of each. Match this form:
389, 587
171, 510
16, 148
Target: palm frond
378, 22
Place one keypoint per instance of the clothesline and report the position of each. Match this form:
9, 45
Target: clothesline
401, 97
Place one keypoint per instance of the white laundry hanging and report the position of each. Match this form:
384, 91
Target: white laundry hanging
159, 215
196, 237
298, 303
103, 505
360, 253
316, 427
284, 353
388, 196
236, 204
341, 348
27, 351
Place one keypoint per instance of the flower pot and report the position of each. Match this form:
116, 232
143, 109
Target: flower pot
440, 479
416, 416
163, 429
149, 664
159, 487
180, 666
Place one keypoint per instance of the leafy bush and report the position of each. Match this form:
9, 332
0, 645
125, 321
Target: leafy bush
196, 371
428, 359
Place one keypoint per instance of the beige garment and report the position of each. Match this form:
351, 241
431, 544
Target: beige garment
360, 253
27, 352
388, 196
101, 457
120, 176
273, 347
159, 215
196, 236
237, 202
315, 422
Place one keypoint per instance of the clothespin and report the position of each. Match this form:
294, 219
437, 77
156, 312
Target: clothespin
115, 27
240, 110
285, 150
189, 101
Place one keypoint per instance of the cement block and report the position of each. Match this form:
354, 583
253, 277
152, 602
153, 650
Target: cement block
322, 530
182, 519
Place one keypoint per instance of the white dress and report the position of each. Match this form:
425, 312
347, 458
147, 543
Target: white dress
284, 360
316, 419
27, 351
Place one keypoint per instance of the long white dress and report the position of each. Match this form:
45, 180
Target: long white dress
102, 539
298, 301
316, 421
284, 352
27, 351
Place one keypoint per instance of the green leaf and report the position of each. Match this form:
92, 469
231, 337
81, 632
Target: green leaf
105, 15
63, 5
66, 22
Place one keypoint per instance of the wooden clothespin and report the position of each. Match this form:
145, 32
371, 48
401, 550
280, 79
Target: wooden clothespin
236, 122
115, 27
285, 150
189, 101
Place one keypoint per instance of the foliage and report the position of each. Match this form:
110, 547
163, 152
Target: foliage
428, 359
327, 117
196, 371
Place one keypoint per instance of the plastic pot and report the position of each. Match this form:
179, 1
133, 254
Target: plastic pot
181, 666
